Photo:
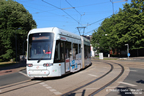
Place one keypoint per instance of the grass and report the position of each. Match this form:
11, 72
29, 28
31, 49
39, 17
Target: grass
5, 64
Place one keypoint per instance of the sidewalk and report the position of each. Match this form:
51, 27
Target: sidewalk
138, 59
12, 69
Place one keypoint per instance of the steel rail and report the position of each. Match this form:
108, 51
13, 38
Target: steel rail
22, 86
109, 83
70, 92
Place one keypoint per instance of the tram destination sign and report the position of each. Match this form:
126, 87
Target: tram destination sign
41, 38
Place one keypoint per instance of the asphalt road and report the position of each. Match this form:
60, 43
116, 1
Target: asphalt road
55, 86
12, 78
133, 85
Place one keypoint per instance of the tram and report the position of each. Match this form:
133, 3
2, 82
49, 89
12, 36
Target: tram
53, 52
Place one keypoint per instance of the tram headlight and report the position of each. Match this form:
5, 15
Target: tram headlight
47, 64
29, 65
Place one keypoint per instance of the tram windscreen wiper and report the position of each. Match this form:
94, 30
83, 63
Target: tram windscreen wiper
41, 58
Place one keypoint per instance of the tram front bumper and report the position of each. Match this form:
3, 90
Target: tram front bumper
38, 73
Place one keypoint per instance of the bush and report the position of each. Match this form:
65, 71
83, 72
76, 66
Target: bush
14, 59
1, 60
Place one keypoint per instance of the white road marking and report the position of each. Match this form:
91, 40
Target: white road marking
92, 75
112, 87
127, 70
42, 83
121, 86
134, 70
24, 74
127, 84
50, 89
57, 93
45, 85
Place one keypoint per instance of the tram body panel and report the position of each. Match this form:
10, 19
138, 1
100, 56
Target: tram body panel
65, 52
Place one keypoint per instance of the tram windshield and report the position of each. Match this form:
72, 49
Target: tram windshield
40, 46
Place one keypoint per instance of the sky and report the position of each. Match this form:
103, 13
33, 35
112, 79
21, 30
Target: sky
70, 14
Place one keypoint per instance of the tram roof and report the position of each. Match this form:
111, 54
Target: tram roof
57, 31
53, 30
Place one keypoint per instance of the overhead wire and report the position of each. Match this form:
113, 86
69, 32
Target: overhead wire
97, 22
89, 5
45, 11
79, 14
92, 4
42, 11
73, 8
62, 10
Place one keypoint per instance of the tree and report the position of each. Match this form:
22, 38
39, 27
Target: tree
100, 39
15, 23
127, 26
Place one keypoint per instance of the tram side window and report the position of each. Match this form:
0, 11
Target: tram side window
75, 50
86, 51
59, 52
62, 51
89, 54
67, 49
79, 48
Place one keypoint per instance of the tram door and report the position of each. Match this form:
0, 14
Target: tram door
62, 54
67, 55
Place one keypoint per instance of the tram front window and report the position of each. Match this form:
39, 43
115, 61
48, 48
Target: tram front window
40, 46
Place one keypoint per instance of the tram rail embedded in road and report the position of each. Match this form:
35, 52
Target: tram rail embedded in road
68, 93
109, 83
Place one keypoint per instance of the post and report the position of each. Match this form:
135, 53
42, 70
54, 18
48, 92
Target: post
116, 2
127, 49
112, 5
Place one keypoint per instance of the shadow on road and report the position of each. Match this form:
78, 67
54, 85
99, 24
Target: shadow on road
128, 91
14, 66
74, 93
140, 81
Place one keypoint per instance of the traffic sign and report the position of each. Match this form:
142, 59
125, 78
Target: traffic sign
128, 54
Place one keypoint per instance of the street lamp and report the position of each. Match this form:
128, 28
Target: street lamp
128, 54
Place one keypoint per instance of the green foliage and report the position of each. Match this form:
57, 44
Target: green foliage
125, 27
15, 23
1, 60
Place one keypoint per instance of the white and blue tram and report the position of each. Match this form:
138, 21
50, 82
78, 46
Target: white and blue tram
53, 52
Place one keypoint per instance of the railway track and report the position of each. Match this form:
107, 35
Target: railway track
83, 87
110, 82
19, 85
